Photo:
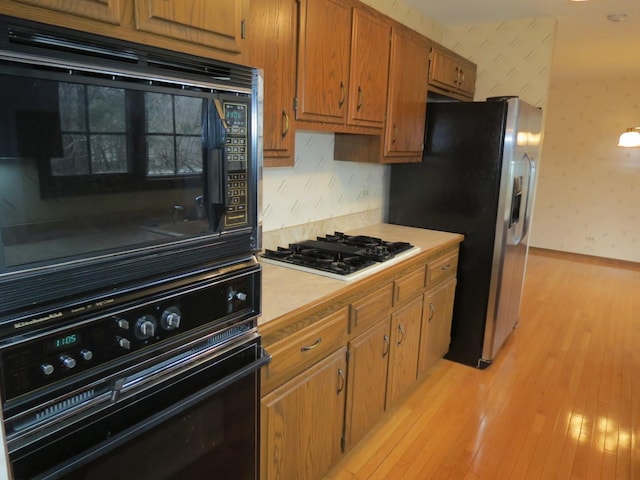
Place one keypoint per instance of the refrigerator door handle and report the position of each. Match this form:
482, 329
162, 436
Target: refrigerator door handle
521, 223
529, 197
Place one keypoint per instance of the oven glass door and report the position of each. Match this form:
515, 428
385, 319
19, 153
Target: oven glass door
201, 425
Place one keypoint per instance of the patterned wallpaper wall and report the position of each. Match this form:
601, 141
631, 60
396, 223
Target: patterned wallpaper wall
407, 15
589, 189
587, 198
513, 57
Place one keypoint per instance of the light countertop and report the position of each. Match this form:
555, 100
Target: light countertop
285, 289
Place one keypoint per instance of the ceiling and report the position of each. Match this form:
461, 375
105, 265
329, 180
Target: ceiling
587, 44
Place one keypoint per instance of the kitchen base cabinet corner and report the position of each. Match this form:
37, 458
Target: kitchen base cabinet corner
302, 422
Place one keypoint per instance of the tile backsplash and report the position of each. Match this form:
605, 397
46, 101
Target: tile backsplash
318, 187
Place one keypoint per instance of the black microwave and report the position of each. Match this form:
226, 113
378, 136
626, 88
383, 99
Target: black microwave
119, 163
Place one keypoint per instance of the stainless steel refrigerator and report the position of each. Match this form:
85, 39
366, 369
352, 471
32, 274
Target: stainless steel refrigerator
477, 178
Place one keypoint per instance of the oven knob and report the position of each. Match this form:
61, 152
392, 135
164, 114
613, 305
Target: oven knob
47, 368
170, 319
86, 354
67, 361
123, 343
145, 327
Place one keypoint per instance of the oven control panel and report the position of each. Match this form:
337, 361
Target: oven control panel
237, 153
113, 336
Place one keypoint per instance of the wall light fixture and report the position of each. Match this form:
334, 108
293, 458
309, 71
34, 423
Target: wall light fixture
630, 138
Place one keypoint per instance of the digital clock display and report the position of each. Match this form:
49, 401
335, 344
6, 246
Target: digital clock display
62, 342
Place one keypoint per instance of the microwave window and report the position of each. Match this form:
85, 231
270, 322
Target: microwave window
94, 166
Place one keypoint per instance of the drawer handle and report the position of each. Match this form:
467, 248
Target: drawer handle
342, 381
446, 267
312, 346
401, 330
387, 344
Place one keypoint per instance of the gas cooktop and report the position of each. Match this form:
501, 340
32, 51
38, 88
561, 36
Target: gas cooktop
339, 255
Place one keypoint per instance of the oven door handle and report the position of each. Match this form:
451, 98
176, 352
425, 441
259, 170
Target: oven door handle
126, 387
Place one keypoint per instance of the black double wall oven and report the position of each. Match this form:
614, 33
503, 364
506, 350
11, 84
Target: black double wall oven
129, 221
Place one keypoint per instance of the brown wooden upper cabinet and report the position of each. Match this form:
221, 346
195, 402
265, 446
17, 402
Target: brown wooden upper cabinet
272, 39
451, 74
212, 29
102, 10
402, 140
342, 53
218, 24
323, 60
370, 37
407, 97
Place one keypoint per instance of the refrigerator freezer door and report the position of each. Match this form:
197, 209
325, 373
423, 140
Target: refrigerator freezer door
513, 254
511, 250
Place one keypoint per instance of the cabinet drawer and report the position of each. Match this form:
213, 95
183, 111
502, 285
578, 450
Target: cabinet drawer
302, 349
373, 307
408, 286
442, 268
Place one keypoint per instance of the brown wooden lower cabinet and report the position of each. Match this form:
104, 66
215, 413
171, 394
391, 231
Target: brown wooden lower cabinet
436, 324
405, 345
320, 403
367, 384
302, 422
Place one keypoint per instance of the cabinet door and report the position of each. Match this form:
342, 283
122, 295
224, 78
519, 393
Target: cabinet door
467, 79
451, 74
405, 344
323, 60
436, 324
444, 71
366, 388
102, 10
272, 41
407, 97
216, 24
302, 422
370, 40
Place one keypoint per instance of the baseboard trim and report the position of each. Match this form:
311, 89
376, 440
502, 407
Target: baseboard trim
580, 257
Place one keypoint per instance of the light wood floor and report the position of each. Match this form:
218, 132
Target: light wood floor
561, 401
